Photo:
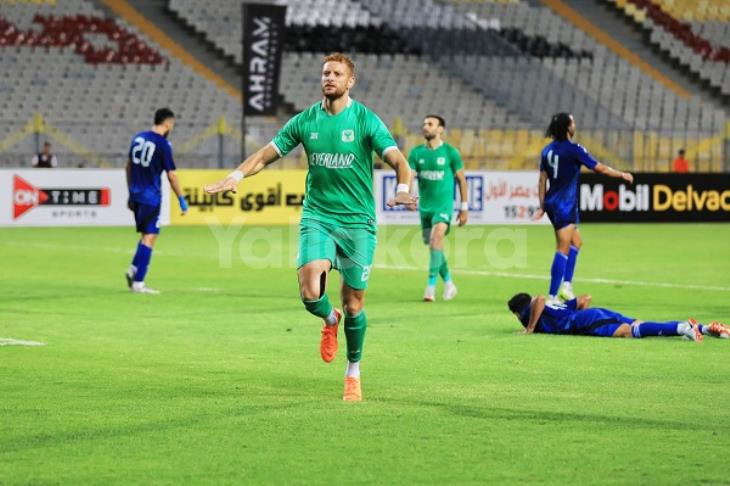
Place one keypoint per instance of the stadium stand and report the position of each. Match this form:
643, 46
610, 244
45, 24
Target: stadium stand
520, 61
220, 21
95, 89
495, 69
690, 32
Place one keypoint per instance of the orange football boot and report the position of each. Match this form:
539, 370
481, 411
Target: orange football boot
353, 393
718, 329
693, 333
328, 342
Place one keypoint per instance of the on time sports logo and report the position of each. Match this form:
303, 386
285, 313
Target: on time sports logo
26, 196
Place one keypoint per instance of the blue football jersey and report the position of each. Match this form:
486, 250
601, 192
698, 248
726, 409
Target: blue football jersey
558, 318
561, 159
554, 318
150, 154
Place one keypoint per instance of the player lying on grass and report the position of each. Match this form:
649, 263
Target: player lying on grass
574, 317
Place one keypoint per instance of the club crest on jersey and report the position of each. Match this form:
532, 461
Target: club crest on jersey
441, 161
314, 136
420, 161
348, 135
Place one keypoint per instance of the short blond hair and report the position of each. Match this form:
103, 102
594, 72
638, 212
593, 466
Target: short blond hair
340, 57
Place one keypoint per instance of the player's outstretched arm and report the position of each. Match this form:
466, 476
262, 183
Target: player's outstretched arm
397, 161
611, 172
254, 164
536, 307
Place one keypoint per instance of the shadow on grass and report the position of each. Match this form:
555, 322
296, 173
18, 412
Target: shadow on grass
557, 418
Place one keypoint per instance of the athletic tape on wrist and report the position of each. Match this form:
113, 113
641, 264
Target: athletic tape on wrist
236, 174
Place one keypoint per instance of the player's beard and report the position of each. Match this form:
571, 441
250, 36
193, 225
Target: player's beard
339, 93
429, 136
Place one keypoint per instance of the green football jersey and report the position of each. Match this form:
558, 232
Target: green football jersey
339, 149
436, 169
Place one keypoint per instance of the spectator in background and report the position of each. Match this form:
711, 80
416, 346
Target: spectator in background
45, 159
680, 164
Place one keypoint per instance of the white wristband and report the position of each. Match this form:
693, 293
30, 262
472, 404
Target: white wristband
465, 206
236, 174
402, 188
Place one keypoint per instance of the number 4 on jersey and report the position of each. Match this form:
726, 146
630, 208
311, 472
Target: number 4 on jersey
553, 162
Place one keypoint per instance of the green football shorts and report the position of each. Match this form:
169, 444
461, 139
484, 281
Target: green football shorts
350, 250
430, 219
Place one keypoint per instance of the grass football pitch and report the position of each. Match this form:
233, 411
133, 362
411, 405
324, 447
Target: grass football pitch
219, 380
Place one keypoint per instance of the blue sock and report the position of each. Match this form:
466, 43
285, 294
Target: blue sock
557, 271
137, 254
655, 329
145, 254
431, 281
570, 267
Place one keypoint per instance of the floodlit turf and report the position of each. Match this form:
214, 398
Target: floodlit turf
219, 380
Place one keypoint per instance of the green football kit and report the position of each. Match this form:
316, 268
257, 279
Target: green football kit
435, 173
338, 218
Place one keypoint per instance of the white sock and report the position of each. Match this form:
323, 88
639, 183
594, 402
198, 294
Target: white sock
331, 319
568, 285
705, 329
137, 285
131, 270
683, 327
353, 370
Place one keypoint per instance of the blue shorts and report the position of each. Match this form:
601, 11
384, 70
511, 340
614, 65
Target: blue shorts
561, 217
147, 218
597, 322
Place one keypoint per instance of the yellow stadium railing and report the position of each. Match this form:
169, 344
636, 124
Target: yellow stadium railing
493, 148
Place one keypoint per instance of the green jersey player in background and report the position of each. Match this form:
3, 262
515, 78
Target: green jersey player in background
437, 164
338, 224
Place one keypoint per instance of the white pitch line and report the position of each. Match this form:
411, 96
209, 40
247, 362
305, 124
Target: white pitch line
209, 289
484, 273
19, 342
606, 281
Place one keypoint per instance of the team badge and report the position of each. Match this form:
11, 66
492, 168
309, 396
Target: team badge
348, 135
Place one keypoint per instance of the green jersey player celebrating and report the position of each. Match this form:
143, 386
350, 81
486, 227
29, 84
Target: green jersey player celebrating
338, 225
437, 164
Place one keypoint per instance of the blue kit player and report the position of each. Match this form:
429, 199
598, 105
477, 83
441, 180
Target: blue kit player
575, 317
149, 154
560, 164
